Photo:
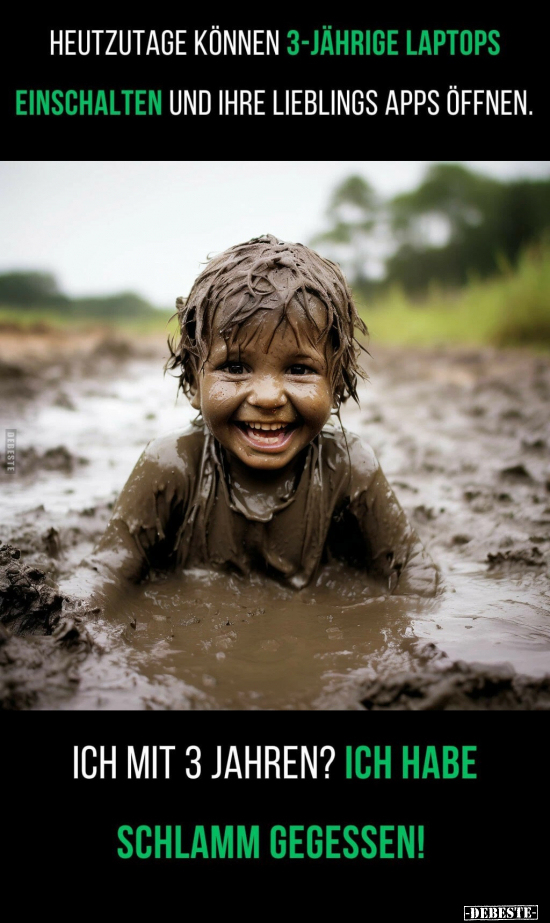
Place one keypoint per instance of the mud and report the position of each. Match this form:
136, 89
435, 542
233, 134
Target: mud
458, 685
56, 459
54, 640
183, 508
462, 436
42, 364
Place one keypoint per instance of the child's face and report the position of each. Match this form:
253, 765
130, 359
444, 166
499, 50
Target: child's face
267, 395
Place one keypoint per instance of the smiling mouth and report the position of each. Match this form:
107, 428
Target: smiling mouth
266, 435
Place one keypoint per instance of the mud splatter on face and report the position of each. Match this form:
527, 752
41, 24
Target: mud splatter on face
265, 393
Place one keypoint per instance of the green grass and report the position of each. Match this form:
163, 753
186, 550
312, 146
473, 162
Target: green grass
40, 319
511, 309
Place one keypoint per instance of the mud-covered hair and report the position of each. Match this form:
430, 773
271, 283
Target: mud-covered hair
244, 280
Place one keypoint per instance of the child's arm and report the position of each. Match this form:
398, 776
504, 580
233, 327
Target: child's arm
396, 553
142, 529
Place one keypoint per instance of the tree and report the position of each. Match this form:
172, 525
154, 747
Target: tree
480, 221
353, 214
29, 289
455, 223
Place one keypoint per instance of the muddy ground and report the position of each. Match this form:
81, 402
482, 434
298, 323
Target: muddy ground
463, 436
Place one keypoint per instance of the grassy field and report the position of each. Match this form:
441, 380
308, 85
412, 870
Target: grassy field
511, 309
39, 320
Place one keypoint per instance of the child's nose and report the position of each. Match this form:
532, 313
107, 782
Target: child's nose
267, 392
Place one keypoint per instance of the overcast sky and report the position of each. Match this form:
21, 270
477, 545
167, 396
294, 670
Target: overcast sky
111, 225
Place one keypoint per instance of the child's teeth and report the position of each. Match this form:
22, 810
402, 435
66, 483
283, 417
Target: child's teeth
270, 432
266, 426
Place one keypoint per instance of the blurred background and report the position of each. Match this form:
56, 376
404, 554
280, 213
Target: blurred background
436, 251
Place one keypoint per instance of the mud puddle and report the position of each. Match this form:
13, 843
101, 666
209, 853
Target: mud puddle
462, 437
249, 643
254, 644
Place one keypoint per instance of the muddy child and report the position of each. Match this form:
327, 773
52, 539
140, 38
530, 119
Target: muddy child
265, 479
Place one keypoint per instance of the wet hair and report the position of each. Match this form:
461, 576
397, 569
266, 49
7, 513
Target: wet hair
267, 274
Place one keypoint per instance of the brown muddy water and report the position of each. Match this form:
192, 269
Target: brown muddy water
463, 437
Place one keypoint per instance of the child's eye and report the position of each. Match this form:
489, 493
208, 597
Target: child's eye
234, 368
301, 370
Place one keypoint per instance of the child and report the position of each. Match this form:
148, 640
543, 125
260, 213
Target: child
266, 352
